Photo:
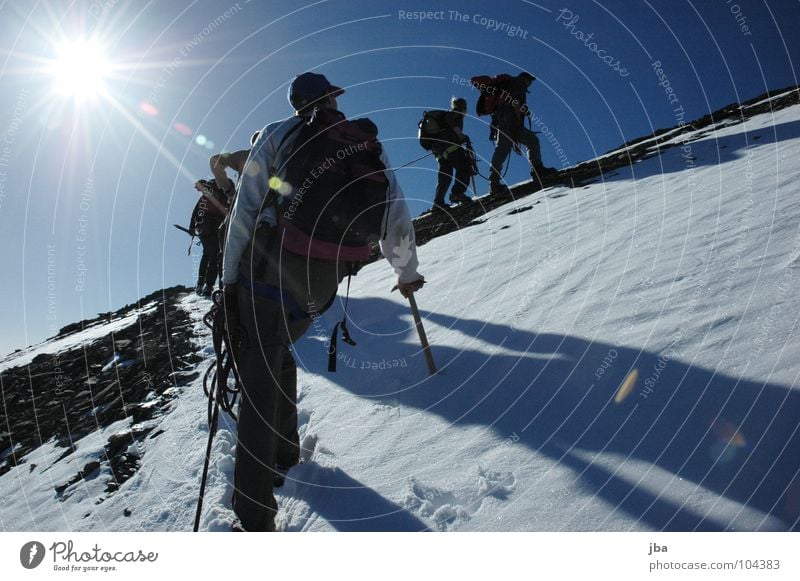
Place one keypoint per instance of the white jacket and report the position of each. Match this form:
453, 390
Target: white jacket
397, 243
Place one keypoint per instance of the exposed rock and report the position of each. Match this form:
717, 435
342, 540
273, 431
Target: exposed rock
65, 396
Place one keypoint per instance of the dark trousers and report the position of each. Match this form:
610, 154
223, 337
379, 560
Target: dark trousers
505, 142
455, 160
209, 263
267, 430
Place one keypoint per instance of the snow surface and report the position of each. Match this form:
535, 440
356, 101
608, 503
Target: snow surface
677, 277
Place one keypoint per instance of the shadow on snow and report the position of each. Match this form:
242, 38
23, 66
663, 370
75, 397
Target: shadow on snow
735, 437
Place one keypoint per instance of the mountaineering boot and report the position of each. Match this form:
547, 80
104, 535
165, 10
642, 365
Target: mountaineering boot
460, 199
498, 189
439, 206
541, 171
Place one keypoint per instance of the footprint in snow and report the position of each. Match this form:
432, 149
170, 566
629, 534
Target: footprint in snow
452, 506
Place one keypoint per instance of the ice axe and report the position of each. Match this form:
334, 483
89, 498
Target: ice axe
473, 166
423, 339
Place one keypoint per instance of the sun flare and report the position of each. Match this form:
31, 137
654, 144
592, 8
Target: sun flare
80, 69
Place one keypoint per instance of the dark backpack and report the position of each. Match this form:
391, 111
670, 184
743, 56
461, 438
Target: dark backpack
210, 210
435, 134
491, 89
341, 190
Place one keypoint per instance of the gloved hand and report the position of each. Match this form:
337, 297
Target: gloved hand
408, 288
206, 187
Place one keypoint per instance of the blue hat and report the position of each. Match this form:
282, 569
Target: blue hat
310, 87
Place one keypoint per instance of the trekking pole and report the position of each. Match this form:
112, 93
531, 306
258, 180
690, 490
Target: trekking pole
423, 339
217, 376
212, 430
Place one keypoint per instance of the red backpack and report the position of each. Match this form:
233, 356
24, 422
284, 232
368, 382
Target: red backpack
491, 89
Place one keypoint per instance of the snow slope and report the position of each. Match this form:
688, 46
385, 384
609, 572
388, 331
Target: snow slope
621, 357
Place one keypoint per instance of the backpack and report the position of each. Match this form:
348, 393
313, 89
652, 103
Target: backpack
435, 133
341, 190
491, 89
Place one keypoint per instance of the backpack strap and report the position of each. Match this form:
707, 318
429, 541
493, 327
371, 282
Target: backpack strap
332, 350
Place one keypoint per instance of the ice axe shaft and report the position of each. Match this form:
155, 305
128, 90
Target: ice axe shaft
423, 338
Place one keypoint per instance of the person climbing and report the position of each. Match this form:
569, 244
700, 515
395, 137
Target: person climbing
452, 156
207, 217
220, 162
509, 131
271, 292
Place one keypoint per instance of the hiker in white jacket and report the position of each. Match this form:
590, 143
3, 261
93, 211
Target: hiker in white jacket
271, 296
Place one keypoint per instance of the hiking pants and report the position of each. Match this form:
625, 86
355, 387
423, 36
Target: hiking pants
275, 292
459, 161
209, 263
503, 145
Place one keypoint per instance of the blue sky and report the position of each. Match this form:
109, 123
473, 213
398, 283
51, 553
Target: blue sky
90, 188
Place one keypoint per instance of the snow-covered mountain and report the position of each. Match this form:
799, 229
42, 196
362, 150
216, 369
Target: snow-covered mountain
618, 356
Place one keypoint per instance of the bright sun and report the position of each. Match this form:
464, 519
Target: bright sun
80, 69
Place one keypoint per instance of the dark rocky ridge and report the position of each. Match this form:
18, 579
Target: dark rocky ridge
130, 374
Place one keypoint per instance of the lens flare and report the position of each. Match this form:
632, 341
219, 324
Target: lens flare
183, 129
148, 109
727, 441
627, 386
